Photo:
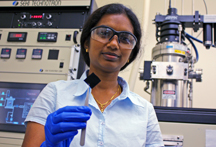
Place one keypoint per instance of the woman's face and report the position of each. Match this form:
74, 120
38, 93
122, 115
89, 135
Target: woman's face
110, 57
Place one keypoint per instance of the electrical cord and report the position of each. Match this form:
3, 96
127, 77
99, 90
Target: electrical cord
205, 6
195, 49
200, 41
194, 38
189, 37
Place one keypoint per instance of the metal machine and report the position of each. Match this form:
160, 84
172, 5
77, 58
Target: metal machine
172, 67
39, 43
172, 72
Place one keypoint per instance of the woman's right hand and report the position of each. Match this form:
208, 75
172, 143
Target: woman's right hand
64, 124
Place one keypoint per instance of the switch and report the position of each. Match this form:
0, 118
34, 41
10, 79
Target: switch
61, 65
68, 37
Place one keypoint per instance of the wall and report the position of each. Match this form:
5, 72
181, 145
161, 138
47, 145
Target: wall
203, 96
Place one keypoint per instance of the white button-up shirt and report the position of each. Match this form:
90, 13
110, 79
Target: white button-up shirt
129, 120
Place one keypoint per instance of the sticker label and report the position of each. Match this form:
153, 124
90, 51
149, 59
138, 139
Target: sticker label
180, 52
169, 46
169, 94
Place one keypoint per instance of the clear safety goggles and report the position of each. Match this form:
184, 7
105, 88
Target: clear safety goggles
104, 34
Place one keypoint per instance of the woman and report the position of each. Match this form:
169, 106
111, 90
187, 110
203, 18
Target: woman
115, 117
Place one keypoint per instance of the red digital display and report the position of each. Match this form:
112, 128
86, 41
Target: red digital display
36, 16
17, 35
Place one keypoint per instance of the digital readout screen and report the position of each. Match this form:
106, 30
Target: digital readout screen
47, 36
37, 16
17, 36
5, 52
21, 53
37, 53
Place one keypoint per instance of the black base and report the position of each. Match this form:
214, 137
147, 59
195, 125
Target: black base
186, 115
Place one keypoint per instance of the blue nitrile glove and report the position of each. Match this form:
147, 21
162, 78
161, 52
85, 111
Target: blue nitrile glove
62, 125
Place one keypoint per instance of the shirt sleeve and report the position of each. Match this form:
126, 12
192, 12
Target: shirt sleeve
153, 136
43, 105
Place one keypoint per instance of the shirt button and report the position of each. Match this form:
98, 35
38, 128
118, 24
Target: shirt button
100, 143
102, 123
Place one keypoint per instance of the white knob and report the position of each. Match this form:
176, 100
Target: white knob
49, 16
34, 24
49, 23
39, 23
23, 16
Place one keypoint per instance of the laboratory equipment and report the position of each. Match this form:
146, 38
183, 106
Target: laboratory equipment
172, 67
39, 43
171, 73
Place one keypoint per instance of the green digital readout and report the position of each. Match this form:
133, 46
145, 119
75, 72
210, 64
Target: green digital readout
47, 37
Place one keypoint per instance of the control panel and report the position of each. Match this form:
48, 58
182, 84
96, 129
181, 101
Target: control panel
39, 43
39, 55
36, 20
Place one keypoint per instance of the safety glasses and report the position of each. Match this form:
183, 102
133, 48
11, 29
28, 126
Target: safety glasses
104, 34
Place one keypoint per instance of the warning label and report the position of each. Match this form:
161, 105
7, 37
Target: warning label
169, 94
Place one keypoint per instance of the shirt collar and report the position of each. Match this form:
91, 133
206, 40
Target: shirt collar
126, 94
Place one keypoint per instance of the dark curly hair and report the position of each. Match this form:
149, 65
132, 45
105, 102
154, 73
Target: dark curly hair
95, 17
